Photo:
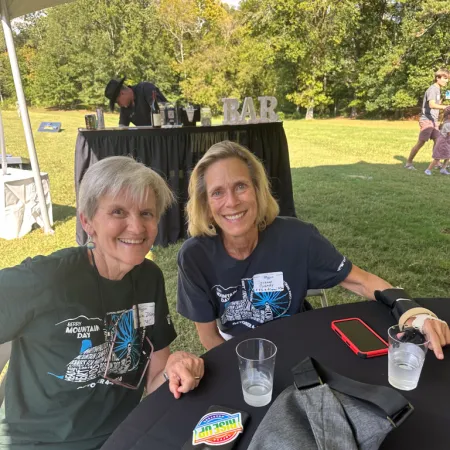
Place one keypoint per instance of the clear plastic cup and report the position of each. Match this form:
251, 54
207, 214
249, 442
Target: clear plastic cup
256, 359
407, 350
205, 116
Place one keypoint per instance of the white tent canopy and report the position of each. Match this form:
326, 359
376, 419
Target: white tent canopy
9, 10
18, 8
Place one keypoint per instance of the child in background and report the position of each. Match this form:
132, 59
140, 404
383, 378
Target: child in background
441, 149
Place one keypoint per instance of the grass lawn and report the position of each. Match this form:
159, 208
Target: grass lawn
348, 180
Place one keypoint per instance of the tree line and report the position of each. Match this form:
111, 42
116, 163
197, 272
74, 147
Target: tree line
324, 57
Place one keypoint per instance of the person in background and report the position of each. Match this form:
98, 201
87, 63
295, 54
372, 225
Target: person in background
441, 148
134, 101
429, 118
90, 326
245, 266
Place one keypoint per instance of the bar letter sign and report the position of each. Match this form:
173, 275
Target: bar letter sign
232, 116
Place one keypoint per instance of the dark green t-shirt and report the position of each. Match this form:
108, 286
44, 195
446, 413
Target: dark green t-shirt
61, 316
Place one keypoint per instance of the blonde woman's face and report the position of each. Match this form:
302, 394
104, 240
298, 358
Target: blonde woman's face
232, 197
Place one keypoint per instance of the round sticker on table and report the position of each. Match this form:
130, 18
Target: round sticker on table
217, 428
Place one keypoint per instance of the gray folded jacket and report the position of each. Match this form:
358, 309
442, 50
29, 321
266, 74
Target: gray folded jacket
343, 414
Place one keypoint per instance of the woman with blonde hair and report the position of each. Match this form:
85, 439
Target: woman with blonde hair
245, 266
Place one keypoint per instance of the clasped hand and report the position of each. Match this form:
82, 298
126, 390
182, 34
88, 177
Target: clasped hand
184, 371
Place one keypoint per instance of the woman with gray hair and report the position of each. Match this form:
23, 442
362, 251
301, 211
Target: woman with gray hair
90, 326
244, 266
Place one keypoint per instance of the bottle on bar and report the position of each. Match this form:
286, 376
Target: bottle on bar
155, 112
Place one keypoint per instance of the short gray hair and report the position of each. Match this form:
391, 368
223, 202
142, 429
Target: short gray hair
111, 175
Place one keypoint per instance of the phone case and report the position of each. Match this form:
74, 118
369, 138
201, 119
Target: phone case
352, 346
220, 423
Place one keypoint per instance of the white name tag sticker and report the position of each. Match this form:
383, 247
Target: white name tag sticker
268, 282
147, 314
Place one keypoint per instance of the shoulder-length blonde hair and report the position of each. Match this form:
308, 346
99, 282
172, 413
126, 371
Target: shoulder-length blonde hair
197, 208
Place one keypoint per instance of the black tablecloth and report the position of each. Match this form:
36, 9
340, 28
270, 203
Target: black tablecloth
173, 152
162, 423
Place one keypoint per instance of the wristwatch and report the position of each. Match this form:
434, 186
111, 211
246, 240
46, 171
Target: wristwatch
166, 377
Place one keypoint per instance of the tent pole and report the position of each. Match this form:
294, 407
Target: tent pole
25, 117
3, 147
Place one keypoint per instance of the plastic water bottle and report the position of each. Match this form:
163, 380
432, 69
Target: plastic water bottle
100, 119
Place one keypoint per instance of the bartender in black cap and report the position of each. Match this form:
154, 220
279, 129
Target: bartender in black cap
134, 101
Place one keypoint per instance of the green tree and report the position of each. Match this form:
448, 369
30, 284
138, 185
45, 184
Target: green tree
371, 56
413, 41
306, 37
228, 61
6, 80
26, 34
88, 42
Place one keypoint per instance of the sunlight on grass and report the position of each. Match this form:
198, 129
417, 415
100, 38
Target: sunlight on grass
348, 180
343, 141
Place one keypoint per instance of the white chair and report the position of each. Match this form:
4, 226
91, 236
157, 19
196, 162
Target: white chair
318, 293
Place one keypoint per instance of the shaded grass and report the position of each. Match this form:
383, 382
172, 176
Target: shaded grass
348, 180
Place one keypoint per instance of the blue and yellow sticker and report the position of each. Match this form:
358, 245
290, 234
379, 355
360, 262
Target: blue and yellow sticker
217, 428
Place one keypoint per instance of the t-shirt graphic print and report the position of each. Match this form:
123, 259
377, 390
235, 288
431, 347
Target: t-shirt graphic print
242, 303
114, 339
291, 257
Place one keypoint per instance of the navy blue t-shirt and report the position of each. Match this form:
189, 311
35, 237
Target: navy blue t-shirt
290, 258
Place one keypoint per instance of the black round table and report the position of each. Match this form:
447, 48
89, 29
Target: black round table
162, 423
173, 153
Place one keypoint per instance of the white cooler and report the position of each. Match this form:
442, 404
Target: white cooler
19, 203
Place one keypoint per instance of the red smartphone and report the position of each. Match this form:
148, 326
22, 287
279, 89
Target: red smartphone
361, 339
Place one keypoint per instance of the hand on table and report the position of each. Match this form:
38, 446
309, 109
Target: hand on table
438, 334
184, 371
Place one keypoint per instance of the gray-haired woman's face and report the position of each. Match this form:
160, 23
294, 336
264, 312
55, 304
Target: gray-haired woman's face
124, 230
232, 197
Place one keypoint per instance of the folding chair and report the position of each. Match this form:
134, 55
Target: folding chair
318, 293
